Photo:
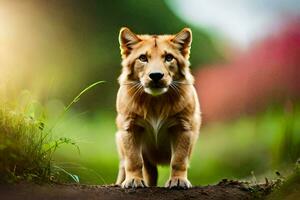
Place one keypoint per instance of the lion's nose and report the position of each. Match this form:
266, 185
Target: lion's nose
156, 76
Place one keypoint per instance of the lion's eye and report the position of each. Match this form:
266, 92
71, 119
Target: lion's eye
143, 58
169, 57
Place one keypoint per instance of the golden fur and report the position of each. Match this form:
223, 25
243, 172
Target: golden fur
158, 121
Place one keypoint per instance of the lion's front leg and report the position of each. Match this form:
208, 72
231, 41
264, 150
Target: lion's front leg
181, 149
133, 161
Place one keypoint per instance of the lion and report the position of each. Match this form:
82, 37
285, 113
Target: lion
158, 112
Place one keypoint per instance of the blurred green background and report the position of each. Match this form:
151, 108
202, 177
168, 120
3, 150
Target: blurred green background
51, 50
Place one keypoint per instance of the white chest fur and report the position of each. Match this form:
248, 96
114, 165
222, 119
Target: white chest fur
156, 127
156, 124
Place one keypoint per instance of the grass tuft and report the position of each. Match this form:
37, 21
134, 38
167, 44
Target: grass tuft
23, 152
27, 147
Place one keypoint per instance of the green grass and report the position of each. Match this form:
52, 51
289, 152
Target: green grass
23, 155
27, 145
290, 188
27, 148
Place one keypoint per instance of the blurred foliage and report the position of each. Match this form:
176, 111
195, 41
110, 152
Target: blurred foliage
63, 45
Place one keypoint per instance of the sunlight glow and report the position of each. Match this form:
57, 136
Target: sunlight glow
242, 21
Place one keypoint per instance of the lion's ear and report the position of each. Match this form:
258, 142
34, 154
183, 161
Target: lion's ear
127, 39
183, 40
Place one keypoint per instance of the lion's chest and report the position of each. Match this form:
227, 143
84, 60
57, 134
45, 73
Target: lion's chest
156, 129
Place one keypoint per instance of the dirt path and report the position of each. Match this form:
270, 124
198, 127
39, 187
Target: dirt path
223, 190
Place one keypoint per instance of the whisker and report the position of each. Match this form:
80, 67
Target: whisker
138, 90
130, 82
134, 86
183, 83
174, 89
177, 87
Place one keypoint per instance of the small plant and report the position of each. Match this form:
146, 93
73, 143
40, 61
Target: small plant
26, 145
290, 186
23, 155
